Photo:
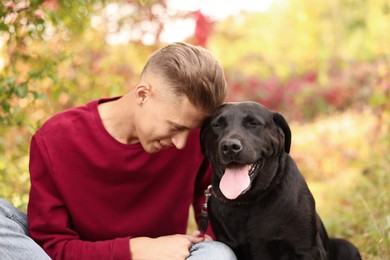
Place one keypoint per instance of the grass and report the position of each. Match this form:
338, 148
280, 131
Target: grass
345, 159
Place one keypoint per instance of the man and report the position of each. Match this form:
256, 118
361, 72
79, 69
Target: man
114, 179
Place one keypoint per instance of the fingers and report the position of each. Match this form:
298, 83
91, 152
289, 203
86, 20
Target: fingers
195, 233
208, 238
195, 237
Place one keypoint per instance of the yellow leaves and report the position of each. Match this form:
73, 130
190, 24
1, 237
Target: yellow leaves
329, 144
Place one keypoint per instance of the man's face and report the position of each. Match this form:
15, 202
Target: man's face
166, 120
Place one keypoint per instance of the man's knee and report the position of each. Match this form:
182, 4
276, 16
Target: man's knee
211, 250
15, 243
12, 218
5, 208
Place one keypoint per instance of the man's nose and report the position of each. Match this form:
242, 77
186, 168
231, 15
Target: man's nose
180, 139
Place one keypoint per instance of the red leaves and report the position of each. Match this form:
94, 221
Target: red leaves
300, 97
203, 28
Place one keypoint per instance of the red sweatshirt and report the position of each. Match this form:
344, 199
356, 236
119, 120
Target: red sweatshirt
90, 194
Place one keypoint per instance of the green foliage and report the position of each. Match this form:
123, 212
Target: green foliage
342, 42
299, 36
18, 22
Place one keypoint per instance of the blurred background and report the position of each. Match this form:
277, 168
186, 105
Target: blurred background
325, 65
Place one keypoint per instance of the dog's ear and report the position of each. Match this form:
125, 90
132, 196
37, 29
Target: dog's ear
282, 123
203, 130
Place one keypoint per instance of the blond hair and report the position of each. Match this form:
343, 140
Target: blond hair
191, 71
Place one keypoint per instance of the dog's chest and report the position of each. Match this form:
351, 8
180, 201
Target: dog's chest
242, 222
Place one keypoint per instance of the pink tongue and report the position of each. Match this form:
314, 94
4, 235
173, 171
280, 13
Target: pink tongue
234, 181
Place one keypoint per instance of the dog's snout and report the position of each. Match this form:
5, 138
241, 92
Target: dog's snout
231, 146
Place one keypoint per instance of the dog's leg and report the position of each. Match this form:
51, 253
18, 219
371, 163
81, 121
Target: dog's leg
342, 249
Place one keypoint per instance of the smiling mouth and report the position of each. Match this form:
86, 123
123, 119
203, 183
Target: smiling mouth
237, 178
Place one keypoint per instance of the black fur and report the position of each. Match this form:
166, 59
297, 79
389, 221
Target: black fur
276, 217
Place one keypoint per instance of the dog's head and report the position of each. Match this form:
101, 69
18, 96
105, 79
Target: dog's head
244, 142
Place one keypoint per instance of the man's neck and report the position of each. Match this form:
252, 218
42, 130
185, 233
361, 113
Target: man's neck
117, 118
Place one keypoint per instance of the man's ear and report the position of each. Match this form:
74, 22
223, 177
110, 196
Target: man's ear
281, 122
142, 93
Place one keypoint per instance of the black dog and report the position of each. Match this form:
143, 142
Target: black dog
261, 205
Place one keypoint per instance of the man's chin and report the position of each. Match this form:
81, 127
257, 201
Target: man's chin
152, 149
155, 147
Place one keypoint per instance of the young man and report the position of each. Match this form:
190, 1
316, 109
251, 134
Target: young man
114, 179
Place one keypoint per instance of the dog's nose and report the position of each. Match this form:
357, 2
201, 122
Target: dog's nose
231, 146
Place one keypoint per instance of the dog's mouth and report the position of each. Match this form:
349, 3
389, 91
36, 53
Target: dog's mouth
237, 178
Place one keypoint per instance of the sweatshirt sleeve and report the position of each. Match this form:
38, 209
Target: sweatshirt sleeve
50, 222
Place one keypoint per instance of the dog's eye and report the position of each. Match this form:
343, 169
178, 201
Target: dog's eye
218, 124
253, 123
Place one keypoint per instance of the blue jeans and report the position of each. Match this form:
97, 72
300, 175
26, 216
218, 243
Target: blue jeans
15, 244
211, 250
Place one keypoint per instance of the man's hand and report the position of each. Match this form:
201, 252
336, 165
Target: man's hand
174, 247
